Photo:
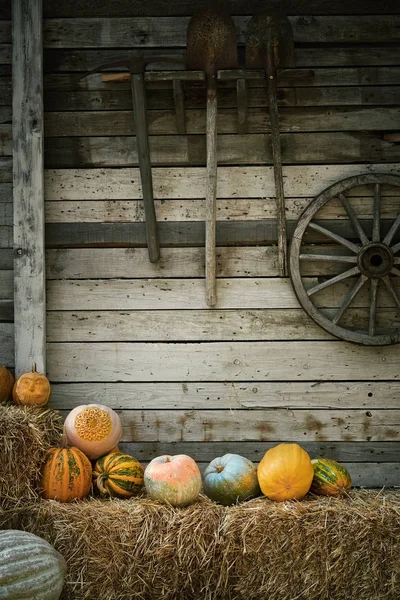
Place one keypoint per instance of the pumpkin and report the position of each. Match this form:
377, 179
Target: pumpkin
173, 479
6, 384
285, 472
231, 478
29, 567
31, 389
93, 428
330, 477
118, 475
67, 475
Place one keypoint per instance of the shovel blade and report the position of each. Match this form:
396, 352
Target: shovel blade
270, 28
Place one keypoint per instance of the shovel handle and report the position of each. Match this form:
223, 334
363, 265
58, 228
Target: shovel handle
142, 140
271, 74
211, 190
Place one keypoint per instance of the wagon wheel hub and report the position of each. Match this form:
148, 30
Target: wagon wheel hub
375, 260
359, 300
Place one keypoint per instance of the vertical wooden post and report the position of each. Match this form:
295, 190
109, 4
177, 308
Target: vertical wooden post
29, 260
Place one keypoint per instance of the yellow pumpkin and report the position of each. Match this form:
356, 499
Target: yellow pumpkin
93, 428
31, 389
285, 472
6, 384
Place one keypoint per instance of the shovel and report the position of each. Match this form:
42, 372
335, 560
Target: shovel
269, 46
211, 45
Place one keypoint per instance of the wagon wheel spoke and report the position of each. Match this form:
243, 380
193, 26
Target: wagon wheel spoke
333, 280
395, 271
349, 298
389, 285
329, 258
354, 221
376, 233
392, 232
372, 309
333, 236
395, 249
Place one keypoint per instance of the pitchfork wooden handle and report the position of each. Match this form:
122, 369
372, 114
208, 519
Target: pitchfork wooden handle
211, 190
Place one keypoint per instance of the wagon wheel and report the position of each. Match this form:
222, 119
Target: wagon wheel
369, 256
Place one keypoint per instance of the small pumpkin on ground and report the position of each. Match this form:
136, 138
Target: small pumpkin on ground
285, 472
231, 478
118, 475
31, 389
330, 477
6, 384
29, 567
173, 479
93, 428
67, 475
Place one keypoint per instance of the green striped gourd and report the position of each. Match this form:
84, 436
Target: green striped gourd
29, 567
118, 475
330, 477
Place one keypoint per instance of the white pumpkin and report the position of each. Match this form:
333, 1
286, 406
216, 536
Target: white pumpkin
29, 567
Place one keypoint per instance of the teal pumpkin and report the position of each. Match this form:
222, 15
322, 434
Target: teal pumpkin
230, 479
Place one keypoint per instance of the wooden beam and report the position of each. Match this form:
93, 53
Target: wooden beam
29, 267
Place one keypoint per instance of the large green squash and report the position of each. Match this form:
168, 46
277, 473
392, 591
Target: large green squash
30, 568
330, 477
231, 478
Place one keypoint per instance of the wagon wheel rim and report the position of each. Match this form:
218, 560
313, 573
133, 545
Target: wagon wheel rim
374, 260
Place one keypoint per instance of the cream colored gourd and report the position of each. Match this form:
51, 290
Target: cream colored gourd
29, 567
93, 428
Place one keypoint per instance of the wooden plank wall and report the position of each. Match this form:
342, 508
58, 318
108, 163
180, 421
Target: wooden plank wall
139, 337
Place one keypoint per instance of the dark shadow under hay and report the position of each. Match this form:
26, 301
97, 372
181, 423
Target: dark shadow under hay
317, 549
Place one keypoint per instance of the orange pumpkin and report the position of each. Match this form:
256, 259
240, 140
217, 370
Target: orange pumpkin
93, 428
67, 475
31, 389
285, 472
6, 384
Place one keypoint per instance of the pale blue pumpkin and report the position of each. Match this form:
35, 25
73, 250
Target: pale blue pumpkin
230, 479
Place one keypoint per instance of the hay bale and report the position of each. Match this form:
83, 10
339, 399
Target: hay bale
25, 435
317, 549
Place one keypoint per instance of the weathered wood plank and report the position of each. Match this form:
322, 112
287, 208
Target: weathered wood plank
113, 100
132, 211
114, 123
355, 453
222, 361
164, 32
6, 258
6, 192
104, 263
324, 76
68, 60
186, 183
6, 173
5, 140
254, 149
262, 425
189, 233
6, 310
216, 325
185, 294
7, 344
125, 8
29, 271
231, 395
6, 236
6, 284
112, 263
6, 213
